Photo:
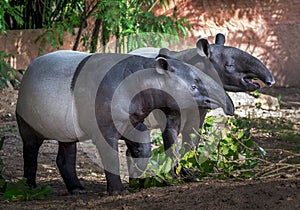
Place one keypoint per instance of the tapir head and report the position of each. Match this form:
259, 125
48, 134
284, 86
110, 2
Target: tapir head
207, 93
236, 68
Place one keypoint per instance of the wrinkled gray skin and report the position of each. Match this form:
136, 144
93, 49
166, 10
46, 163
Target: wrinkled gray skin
228, 66
70, 96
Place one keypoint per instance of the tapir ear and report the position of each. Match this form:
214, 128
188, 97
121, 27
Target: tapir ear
164, 51
203, 47
162, 65
220, 39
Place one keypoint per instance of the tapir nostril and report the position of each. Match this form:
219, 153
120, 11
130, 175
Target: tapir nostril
270, 83
207, 101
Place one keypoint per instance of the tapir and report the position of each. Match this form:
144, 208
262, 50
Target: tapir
70, 96
227, 65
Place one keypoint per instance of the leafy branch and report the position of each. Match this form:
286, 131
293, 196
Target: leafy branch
226, 150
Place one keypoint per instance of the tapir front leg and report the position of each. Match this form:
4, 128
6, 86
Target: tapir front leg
32, 142
170, 139
137, 155
190, 140
66, 162
138, 152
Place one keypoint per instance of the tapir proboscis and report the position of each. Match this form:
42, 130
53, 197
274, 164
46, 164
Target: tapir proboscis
70, 96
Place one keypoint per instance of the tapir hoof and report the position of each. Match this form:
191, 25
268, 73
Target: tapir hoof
188, 174
30, 183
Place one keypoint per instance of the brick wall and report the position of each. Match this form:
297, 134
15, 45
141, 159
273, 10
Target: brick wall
22, 44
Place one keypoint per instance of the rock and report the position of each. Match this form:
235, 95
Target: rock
265, 102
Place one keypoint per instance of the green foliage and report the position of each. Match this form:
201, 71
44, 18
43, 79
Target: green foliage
7, 9
256, 94
63, 17
157, 173
225, 153
226, 150
258, 105
134, 25
279, 99
156, 138
19, 191
35, 14
7, 73
122, 19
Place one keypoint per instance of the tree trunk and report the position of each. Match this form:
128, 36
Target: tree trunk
79, 34
95, 35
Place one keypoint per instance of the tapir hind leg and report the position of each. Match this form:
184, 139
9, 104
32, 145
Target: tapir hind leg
66, 162
32, 141
108, 151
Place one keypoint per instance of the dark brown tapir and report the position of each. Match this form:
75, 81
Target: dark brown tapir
70, 96
228, 66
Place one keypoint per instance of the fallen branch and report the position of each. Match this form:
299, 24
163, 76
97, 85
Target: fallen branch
280, 168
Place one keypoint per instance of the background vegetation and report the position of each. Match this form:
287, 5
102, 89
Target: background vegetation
131, 23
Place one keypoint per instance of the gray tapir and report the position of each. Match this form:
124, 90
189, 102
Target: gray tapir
229, 66
70, 96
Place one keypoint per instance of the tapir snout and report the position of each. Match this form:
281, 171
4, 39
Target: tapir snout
224, 102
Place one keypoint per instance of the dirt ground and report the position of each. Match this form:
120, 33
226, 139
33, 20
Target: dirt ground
275, 192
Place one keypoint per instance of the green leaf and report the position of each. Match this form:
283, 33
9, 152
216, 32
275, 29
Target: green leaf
178, 168
167, 165
241, 134
41, 192
21, 192
262, 151
225, 150
234, 148
253, 164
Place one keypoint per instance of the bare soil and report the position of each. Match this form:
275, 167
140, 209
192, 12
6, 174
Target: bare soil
279, 191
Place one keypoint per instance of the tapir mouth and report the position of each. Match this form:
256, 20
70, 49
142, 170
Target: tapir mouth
227, 105
249, 81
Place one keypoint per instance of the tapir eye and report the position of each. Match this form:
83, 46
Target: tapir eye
194, 87
229, 67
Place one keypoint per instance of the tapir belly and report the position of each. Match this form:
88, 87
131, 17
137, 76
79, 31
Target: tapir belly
46, 101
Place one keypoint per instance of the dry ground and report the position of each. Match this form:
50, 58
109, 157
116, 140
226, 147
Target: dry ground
275, 192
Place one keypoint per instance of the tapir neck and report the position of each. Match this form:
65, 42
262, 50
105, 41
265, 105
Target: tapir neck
149, 100
202, 63
192, 57
189, 56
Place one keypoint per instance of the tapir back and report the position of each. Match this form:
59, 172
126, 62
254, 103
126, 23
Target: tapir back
45, 99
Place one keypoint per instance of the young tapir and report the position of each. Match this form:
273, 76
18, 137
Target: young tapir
229, 66
70, 96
